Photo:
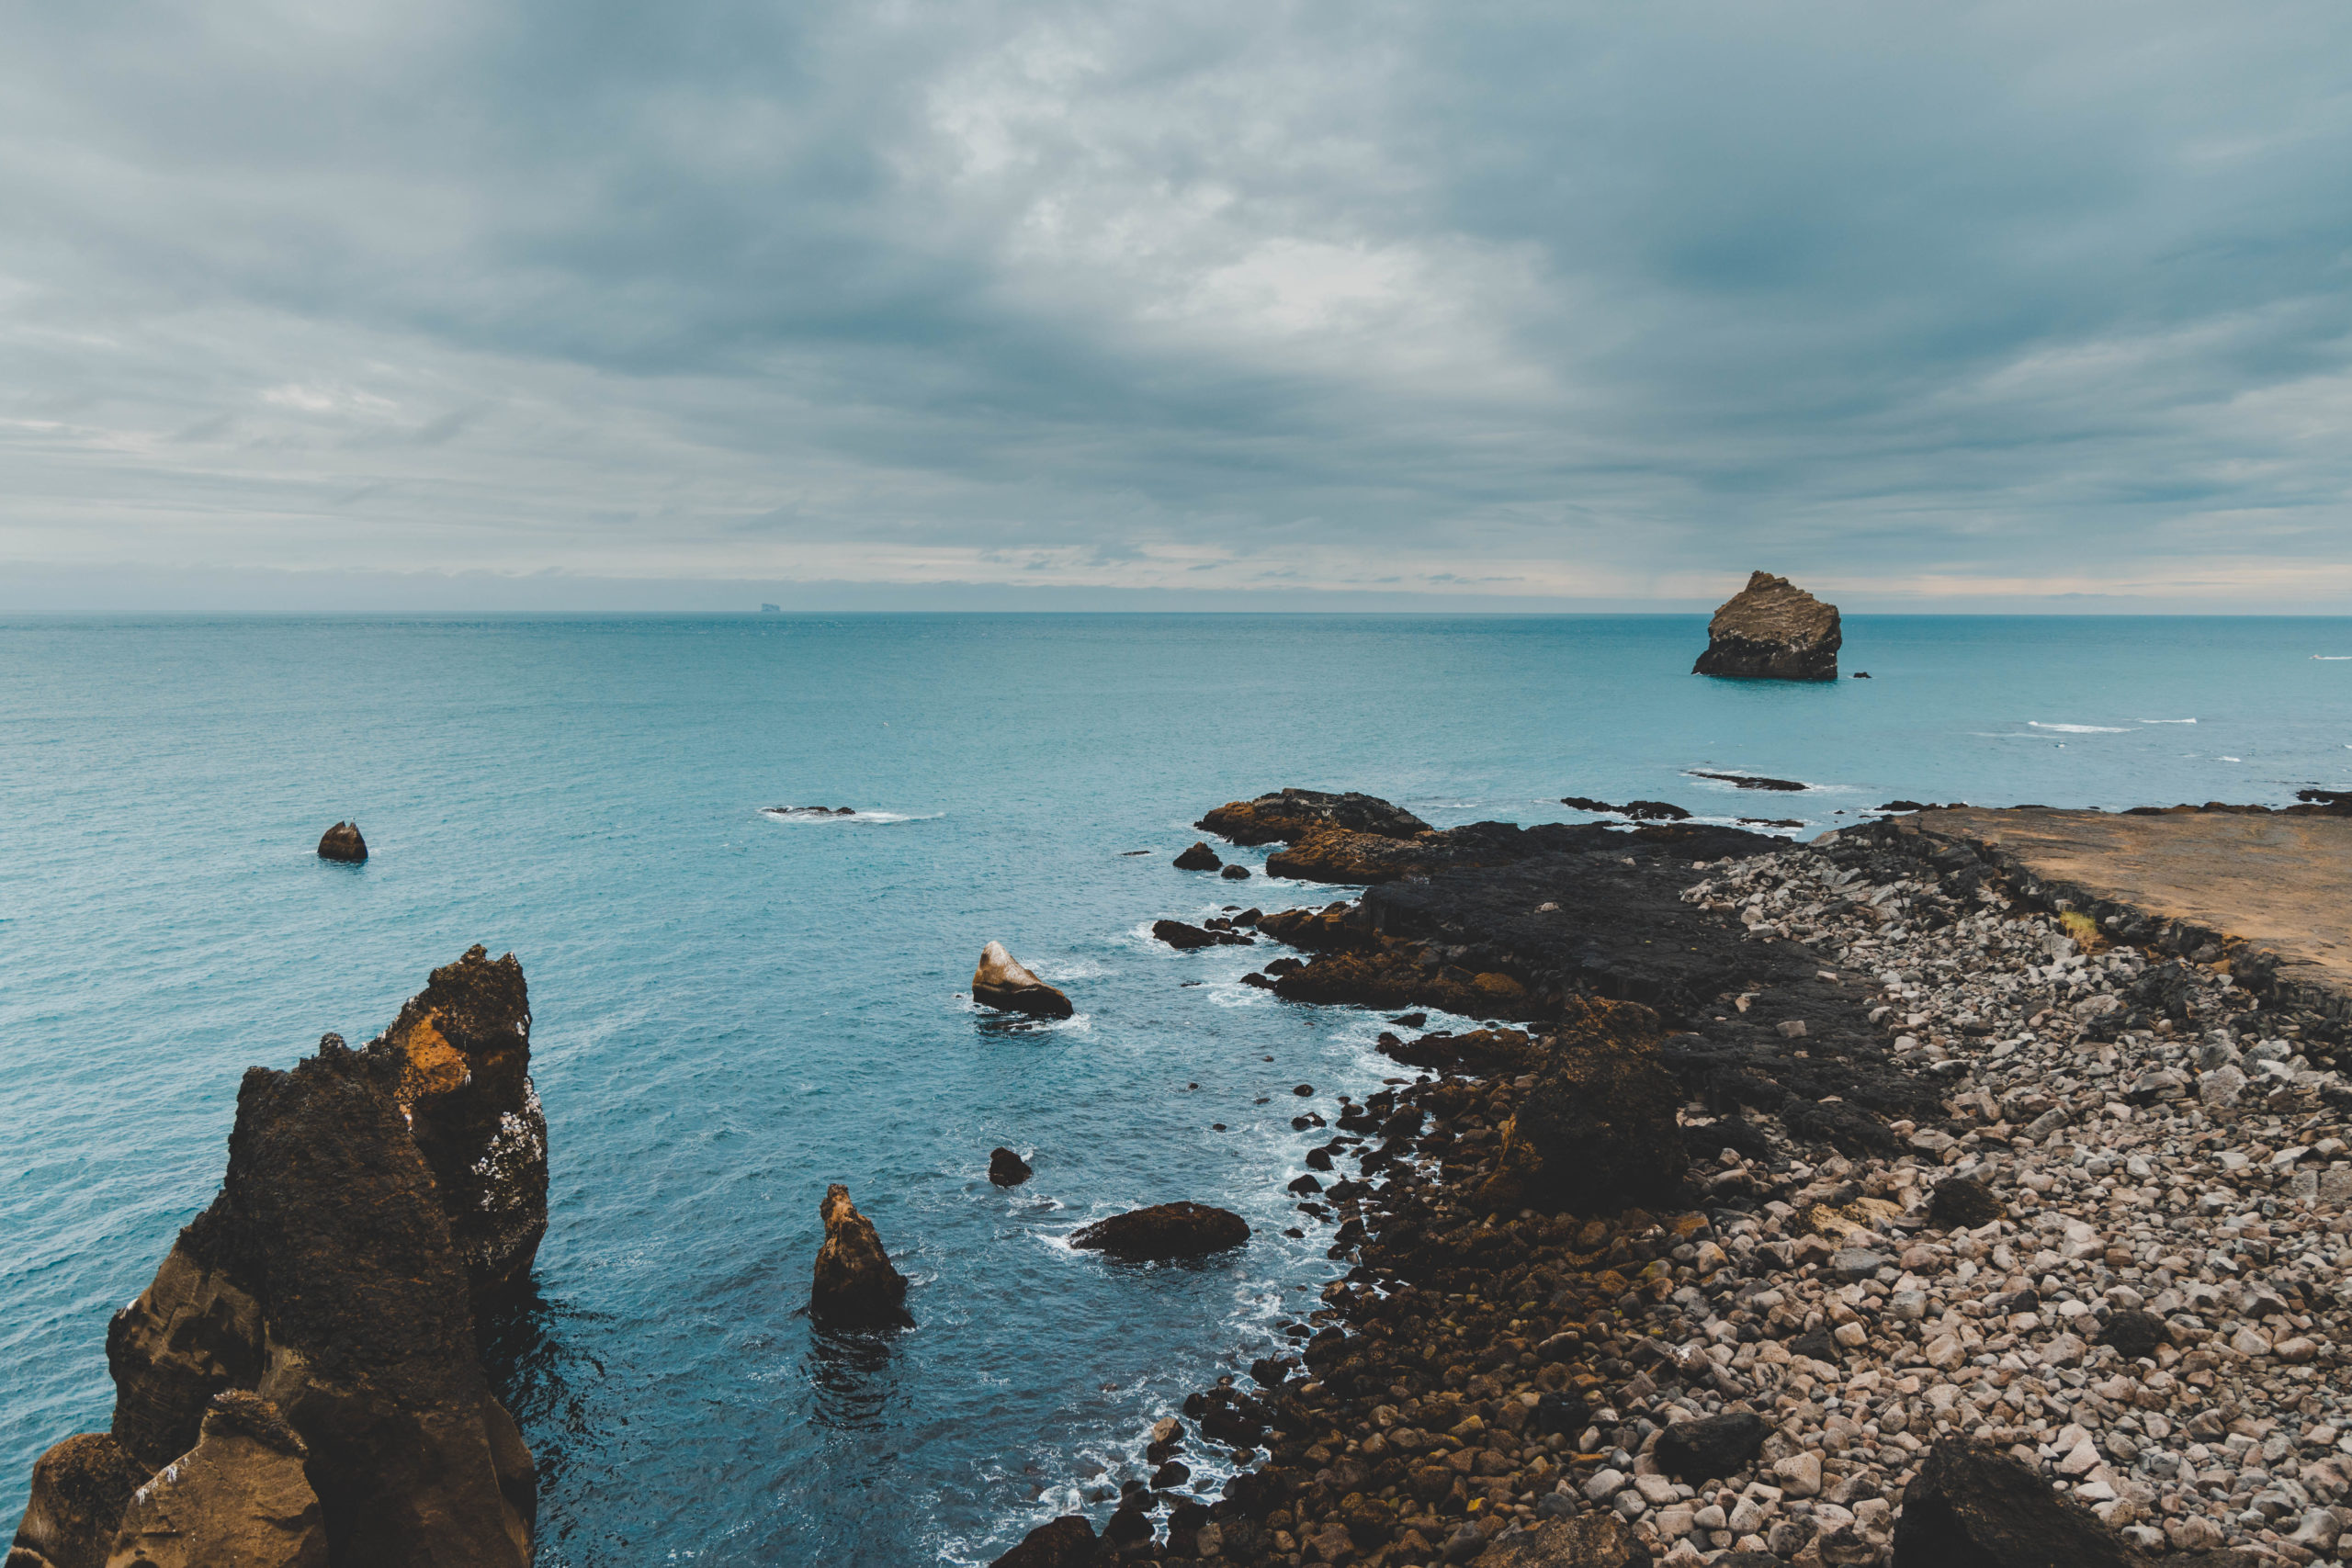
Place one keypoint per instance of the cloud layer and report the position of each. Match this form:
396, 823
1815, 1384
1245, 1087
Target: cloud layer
1577, 303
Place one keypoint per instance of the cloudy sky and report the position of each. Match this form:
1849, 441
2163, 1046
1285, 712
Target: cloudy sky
1507, 304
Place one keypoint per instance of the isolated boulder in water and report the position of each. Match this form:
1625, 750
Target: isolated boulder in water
1184, 938
461, 1051
80, 1488
1164, 1230
1007, 1168
1002, 982
1200, 857
343, 842
855, 1285
240, 1496
1772, 631
1066, 1542
1598, 1131
1288, 815
1973, 1507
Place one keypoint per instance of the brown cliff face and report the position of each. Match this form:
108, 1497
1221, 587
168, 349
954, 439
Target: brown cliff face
240, 1496
80, 1488
461, 1053
855, 1286
1772, 631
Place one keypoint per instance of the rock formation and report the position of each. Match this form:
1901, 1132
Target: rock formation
1599, 1130
343, 842
1772, 631
1066, 1542
1164, 1230
462, 1052
1184, 938
239, 1498
1286, 815
80, 1488
1200, 857
1007, 1168
1002, 982
1973, 1507
855, 1286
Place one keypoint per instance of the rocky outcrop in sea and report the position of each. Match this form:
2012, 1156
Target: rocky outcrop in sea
300, 1383
855, 1286
1772, 631
1002, 982
343, 842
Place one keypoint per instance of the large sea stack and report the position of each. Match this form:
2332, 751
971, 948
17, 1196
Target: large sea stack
1772, 631
300, 1383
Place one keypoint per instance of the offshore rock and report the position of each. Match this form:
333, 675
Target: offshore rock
1599, 1131
855, 1285
1164, 1230
343, 842
80, 1488
240, 1496
323, 1278
461, 1050
1772, 631
1286, 815
1066, 1542
1186, 939
1007, 1168
1200, 857
1971, 1507
1004, 983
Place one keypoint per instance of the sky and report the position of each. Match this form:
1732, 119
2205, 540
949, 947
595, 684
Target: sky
1294, 305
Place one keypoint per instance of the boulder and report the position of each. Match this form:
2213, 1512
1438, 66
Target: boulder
461, 1053
1597, 1132
1004, 983
80, 1488
855, 1285
240, 1496
1772, 631
343, 842
1235, 873
1164, 1230
1971, 1506
1595, 1539
1200, 857
1286, 815
1713, 1446
2134, 1334
1066, 1542
1962, 1202
1007, 1168
1184, 938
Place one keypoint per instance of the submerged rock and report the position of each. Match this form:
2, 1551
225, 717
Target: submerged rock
1164, 1230
1599, 1130
1007, 1168
79, 1490
1971, 1507
1749, 781
461, 1049
1004, 983
855, 1286
1184, 938
240, 1496
1200, 857
1286, 815
343, 842
1772, 631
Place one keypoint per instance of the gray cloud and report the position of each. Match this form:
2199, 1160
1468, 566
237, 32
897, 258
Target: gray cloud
1561, 302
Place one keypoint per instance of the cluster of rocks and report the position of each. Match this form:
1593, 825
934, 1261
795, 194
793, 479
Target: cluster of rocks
1962, 1231
300, 1384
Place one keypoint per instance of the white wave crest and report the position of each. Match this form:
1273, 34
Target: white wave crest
817, 814
2167, 721
2075, 729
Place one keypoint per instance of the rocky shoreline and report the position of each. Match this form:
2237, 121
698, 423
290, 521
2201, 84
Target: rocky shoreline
1965, 1228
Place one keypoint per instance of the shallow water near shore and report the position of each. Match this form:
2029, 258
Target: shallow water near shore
732, 1008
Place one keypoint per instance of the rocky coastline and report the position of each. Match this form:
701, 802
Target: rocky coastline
1855, 1202
300, 1384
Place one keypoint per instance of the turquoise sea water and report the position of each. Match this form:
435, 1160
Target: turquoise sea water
733, 1011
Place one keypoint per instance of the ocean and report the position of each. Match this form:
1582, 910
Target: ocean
732, 1009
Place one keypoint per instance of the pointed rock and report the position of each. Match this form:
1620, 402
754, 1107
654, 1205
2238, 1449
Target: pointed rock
855, 1286
1004, 983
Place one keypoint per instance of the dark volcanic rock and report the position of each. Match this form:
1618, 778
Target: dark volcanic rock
1235, 873
1597, 1132
1164, 1230
1772, 631
1066, 1542
1971, 1507
1184, 938
1007, 1168
462, 1053
1288, 815
1962, 1202
80, 1488
1639, 810
1749, 781
1200, 857
1710, 1446
239, 1498
855, 1286
343, 842
2135, 1334
1004, 983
